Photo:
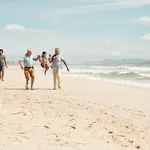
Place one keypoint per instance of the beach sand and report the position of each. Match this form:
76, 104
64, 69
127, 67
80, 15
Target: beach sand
83, 115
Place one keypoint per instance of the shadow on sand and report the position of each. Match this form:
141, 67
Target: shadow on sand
23, 89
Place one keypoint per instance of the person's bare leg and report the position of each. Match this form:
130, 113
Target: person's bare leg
54, 78
27, 82
2, 75
32, 82
43, 64
46, 68
59, 78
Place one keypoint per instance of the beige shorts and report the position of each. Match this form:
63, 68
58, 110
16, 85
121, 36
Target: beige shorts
29, 72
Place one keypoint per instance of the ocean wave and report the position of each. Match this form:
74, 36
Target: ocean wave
122, 74
131, 75
139, 68
119, 67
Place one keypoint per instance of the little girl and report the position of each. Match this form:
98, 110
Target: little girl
44, 62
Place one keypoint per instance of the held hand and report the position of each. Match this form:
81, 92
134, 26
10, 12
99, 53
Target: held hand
68, 69
38, 57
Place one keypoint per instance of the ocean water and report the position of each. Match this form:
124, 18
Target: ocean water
132, 75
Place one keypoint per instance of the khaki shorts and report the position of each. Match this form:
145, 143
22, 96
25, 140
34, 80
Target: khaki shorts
29, 72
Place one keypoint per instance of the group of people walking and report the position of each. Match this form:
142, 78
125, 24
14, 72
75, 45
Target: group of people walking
27, 64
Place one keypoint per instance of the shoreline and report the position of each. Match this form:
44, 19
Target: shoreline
108, 81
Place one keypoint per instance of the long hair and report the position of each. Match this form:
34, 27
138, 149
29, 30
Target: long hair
1, 50
53, 57
43, 54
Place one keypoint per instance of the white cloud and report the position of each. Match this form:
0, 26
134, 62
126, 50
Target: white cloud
146, 37
59, 22
17, 27
119, 4
103, 5
92, 6
144, 19
112, 3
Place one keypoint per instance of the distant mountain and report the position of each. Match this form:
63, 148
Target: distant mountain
124, 61
120, 62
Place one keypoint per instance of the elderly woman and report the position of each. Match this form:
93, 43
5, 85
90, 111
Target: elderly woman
56, 61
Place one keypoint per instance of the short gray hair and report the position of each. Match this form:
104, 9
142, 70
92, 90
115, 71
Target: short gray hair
57, 49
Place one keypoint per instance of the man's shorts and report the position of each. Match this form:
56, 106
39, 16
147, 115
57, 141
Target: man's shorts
2, 68
29, 72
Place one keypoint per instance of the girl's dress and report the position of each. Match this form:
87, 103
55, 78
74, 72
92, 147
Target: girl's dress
45, 60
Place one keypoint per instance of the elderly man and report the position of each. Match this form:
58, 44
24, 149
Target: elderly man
28, 67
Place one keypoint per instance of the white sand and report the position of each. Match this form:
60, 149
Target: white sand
84, 115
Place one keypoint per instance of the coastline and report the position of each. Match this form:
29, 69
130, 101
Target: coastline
85, 114
109, 81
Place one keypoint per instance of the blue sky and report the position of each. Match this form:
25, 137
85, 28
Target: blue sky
82, 29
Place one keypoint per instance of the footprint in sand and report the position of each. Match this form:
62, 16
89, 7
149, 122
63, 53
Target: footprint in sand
137, 147
18, 113
46, 127
110, 132
73, 127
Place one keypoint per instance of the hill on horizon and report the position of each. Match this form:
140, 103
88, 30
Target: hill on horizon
119, 61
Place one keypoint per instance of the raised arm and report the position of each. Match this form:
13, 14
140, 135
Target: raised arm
36, 59
40, 60
50, 58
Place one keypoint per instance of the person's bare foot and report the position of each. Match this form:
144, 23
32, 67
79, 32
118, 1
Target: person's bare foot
59, 87
2, 79
32, 88
45, 73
